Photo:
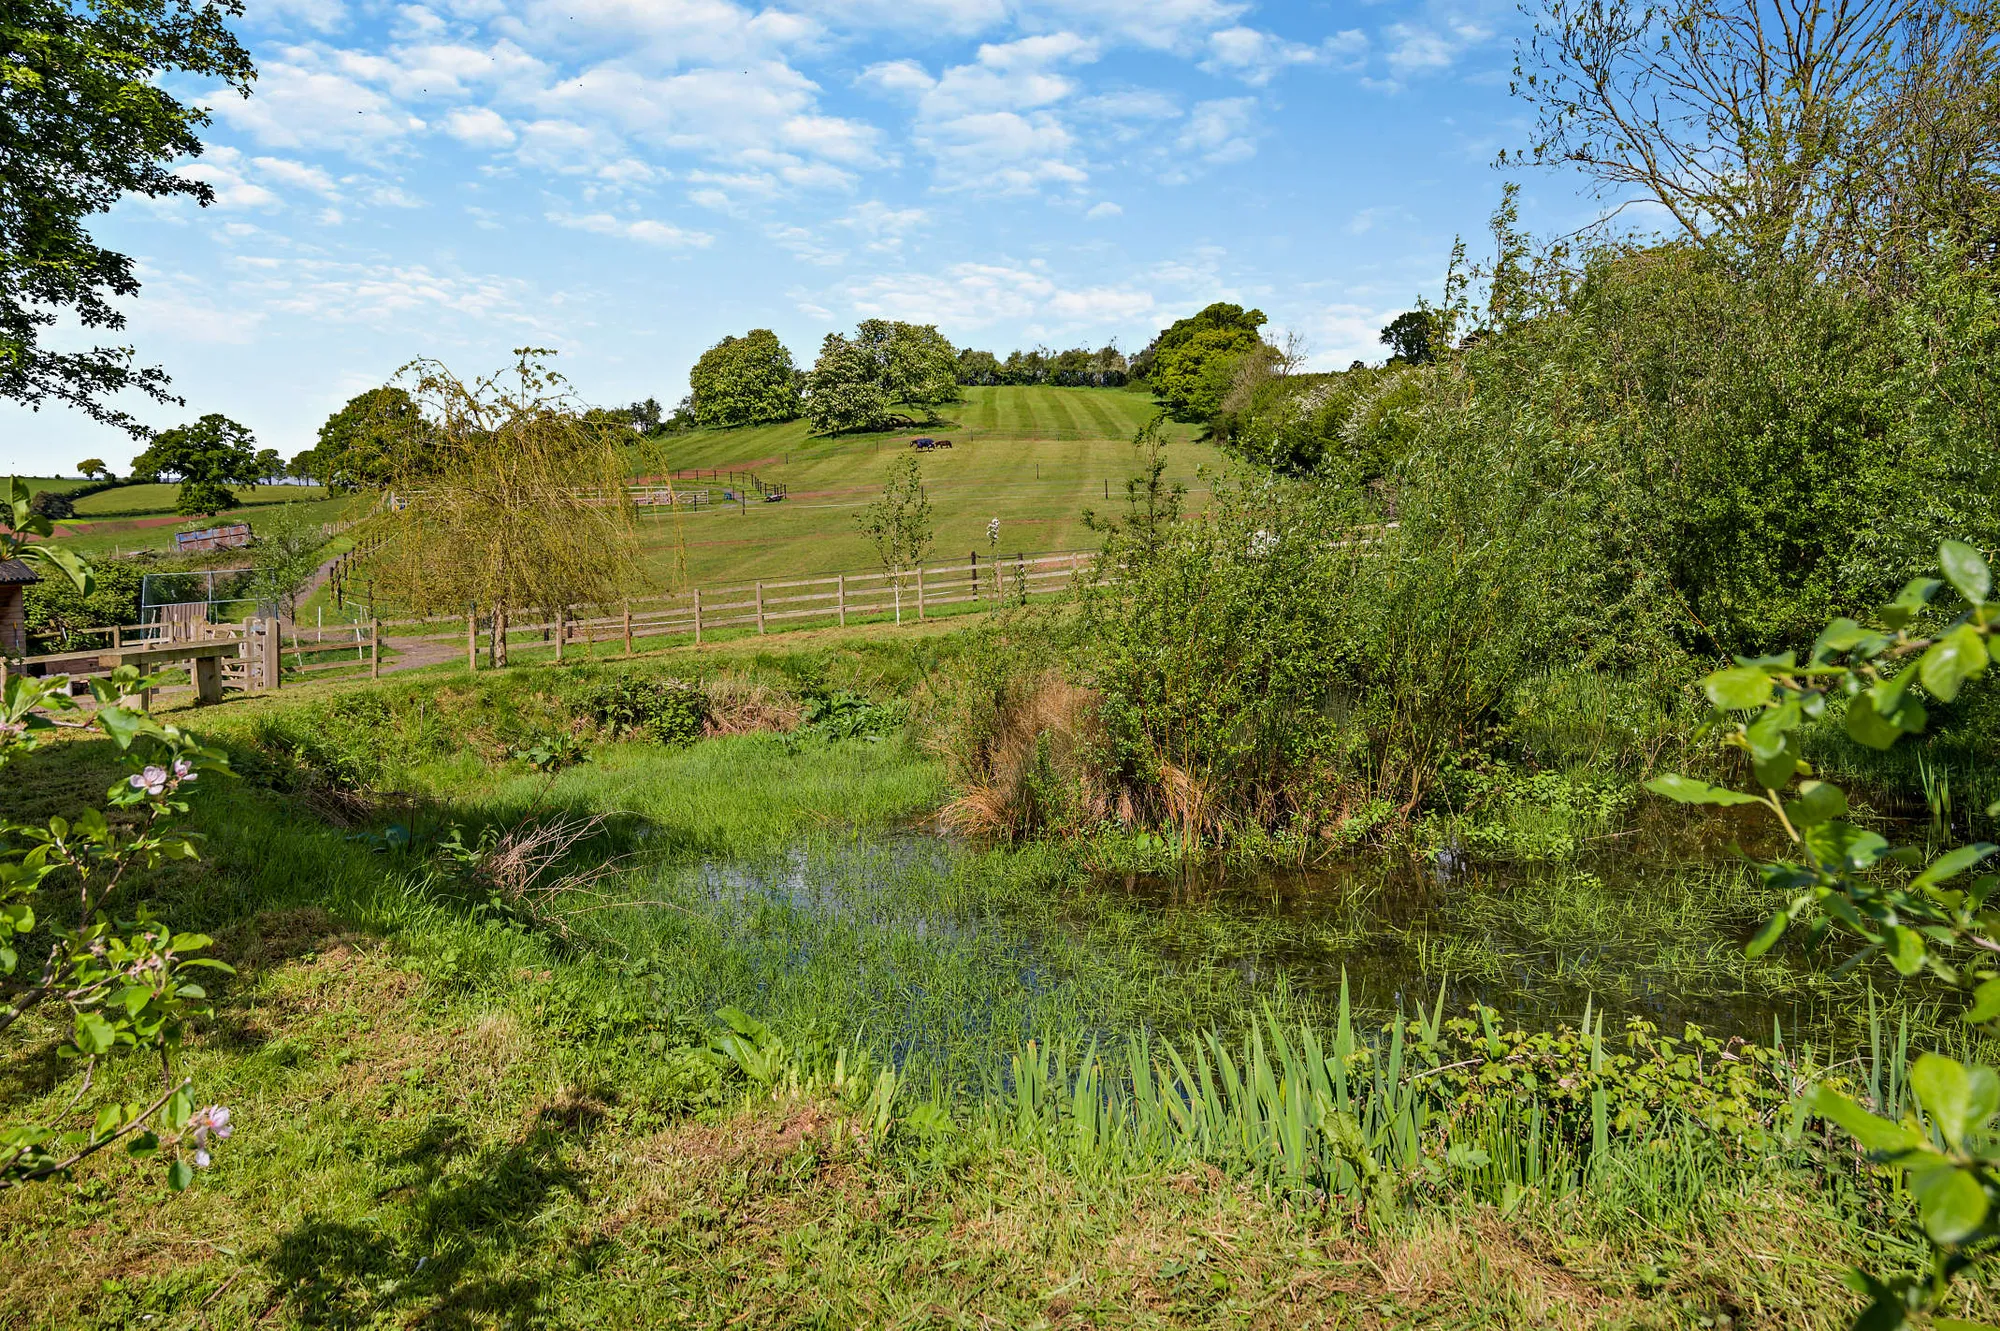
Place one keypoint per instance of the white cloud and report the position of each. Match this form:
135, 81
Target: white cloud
1221, 131
1105, 209
1257, 57
480, 127
1416, 50
297, 107
1345, 332
980, 295
300, 174
644, 230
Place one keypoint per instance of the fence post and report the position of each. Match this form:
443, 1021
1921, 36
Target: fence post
843, 600
628, 628
562, 631
697, 616
975, 576
273, 649
760, 606
920, 593
472, 637
374, 649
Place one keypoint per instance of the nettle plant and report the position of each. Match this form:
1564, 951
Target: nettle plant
1939, 917
67, 939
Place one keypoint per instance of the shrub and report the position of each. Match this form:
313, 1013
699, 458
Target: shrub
664, 711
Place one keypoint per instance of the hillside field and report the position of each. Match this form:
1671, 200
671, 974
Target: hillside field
142, 517
1034, 457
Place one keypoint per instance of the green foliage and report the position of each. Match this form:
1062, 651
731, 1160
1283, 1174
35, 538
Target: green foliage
1415, 337
378, 436
84, 95
1500, 812
1841, 873
206, 457
748, 380
57, 612
665, 711
844, 714
1194, 362
285, 555
856, 382
899, 523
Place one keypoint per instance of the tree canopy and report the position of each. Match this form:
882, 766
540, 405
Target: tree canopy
1193, 362
378, 435
86, 118
857, 381
1413, 337
748, 380
207, 457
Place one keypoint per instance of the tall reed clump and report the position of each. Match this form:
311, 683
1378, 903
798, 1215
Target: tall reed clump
515, 502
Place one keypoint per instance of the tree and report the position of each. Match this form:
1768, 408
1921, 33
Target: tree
206, 457
285, 555
86, 118
52, 504
92, 467
378, 435
1412, 336
748, 380
899, 523
1192, 363
1840, 134
843, 390
517, 503
978, 367
857, 380
270, 466
645, 415
305, 466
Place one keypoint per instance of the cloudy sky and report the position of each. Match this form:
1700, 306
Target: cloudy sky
628, 180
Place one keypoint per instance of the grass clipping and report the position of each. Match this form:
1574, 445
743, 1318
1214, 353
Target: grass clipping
512, 500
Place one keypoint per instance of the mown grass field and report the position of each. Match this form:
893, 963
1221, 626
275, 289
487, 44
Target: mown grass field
131, 518
1033, 457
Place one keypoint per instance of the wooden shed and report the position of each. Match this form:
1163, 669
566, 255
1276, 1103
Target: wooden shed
15, 579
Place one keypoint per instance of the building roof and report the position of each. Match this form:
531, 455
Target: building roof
13, 570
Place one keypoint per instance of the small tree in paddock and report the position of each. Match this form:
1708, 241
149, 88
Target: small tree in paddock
520, 504
899, 523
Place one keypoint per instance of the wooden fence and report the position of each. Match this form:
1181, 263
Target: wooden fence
833, 599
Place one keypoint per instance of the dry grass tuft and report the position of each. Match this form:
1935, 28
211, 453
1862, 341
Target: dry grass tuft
738, 707
1033, 768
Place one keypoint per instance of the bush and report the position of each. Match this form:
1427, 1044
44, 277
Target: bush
664, 711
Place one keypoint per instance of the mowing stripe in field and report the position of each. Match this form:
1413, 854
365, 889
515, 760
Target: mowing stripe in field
1099, 416
1030, 421
1065, 419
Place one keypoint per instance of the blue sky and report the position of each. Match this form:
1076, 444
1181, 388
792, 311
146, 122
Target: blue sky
626, 181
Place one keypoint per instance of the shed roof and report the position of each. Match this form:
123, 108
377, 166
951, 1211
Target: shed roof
14, 570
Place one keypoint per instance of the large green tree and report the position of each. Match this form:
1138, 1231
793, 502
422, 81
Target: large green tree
206, 457
1193, 362
748, 380
86, 118
859, 380
377, 435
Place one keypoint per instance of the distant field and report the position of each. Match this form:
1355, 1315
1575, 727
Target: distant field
1033, 457
156, 500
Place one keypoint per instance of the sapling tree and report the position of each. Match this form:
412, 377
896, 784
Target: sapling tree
1937, 636
899, 523
71, 939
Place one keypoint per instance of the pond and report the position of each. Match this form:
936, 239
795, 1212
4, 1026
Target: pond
949, 957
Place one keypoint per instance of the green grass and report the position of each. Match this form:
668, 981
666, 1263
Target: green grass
449, 1113
155, 500
1035, 458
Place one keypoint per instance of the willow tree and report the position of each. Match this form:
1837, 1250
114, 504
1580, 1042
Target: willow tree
521, 505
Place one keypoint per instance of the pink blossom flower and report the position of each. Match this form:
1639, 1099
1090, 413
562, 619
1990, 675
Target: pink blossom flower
203, 1124
153, 780
183, 770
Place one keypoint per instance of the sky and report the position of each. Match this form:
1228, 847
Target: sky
628, 181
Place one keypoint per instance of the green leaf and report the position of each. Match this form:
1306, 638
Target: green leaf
1945, 1091
1950, 1200
1868, 726
1906, 950
1916, 594
1874, 1134
1843, 845
179, 1175
1985, 1003
1960, 1324
1839, 636
1776, 772
94, 1035
1818, 802
63, 560
1956, 657
1953, 863
1774, 929
121, 725
1965, 569
1687, 790
1740, 689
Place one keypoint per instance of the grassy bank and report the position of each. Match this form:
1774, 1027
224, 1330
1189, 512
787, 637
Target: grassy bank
455, 1110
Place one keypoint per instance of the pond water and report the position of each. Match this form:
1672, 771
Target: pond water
953, 956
